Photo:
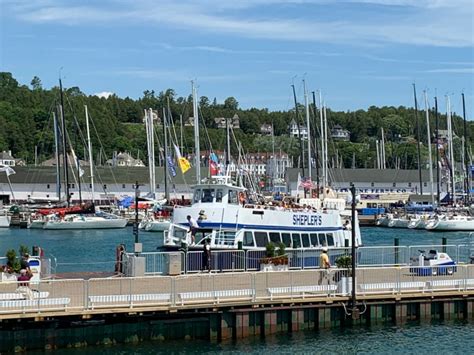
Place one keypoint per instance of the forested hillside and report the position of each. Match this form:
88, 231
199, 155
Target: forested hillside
26, 122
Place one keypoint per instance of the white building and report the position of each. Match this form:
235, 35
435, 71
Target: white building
124, 159
295, 132
6, 159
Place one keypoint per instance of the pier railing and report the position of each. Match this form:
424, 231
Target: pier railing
250, 260
209, 289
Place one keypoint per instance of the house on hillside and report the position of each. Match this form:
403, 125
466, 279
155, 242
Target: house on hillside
339, 133
155, 115
124, 159
297, 131
189, 122
234, 122
266, 129
6, 158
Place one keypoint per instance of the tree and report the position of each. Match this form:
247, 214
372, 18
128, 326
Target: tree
36, 83
231, 103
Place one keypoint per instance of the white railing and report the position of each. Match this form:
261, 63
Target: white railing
226, 288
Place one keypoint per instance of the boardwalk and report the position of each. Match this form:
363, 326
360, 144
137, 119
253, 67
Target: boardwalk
250, 289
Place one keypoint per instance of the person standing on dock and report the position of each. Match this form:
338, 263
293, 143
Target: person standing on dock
324, 264
206, 256
193, 226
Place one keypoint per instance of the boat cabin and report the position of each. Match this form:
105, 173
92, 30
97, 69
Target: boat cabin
218, 193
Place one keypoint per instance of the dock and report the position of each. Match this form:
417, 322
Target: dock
220, 306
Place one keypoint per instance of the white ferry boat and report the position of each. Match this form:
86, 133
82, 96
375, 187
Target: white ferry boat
229, 221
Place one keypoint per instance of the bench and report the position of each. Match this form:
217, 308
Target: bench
21, 296
128, 300
303, 290
457, 284
215, 295
392, 287
37, 303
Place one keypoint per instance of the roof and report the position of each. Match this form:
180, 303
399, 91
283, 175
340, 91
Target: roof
6, 156
368, 175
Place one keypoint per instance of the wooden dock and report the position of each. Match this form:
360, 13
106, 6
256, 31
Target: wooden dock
226, 305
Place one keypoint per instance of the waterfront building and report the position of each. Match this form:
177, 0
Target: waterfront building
296, 132
124, 159
340, 134
6, 159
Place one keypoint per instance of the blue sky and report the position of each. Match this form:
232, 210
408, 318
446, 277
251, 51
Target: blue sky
358, 52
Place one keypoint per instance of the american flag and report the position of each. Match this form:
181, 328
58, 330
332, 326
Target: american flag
306, 183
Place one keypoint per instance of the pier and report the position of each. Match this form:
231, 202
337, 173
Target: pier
219, 306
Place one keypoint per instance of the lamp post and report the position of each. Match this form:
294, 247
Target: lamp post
355, 311
135, 223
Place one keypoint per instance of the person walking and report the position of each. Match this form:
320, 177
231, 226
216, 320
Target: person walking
193, 226
324, 264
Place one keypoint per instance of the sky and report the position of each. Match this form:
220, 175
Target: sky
358, 53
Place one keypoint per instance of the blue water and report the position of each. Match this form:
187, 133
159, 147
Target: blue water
95, 250
436, 338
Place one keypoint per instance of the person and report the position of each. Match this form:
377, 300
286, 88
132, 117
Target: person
206, 256
24, 264
193, 227
202, 216
24, 284
347, 225
324, 264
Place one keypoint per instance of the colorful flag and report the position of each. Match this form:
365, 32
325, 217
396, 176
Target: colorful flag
171, 166
184, 163
213, 168
214, 158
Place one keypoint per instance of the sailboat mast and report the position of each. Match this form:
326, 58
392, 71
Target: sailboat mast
89, 148
418, 139
316, 144
326, 170
437, 151
299, 131
429, 147
450, 146
58, 160
227, 155
63, 120
466, 156
306, 104
152, 153
165, 165
323, 163
197, 149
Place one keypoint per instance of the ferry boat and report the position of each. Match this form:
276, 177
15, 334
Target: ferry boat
230, 221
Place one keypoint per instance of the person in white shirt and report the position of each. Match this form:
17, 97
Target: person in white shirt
193, 226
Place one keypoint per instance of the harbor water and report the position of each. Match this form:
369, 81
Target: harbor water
94, 250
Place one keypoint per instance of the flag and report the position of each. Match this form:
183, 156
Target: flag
214, 158
9, 171
306, 183
184, 163
171, 166
213, 168
76, 162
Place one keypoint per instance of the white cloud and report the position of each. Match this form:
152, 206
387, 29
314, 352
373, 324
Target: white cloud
104, 94
452, 70
424, 22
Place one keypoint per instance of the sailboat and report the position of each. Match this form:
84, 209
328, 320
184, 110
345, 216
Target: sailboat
84, 216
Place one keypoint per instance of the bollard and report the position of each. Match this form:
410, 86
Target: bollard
444, 242
396, 243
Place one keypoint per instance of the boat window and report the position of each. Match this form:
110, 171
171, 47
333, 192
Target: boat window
219, 195
197, 195
233, 197
207, 195
248, 239
226, 238
305, 239
180, 233
261, 238
296, 240
314, 239
286, 238
330, 239
322, 239
275, 238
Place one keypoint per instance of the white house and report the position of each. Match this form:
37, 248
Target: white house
295, 132
7, 159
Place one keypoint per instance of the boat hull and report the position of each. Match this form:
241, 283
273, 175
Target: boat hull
86, 224
467, 225
4, 221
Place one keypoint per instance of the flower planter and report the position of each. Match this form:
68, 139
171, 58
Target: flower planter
7, 277
344, 285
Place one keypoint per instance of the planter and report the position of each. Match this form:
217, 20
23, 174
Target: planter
344, 285
7, 277
272, 267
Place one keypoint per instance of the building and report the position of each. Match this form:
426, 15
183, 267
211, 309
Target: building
296, 132
266, 129
6, 159
124, 159
339, 133
234, 122
52, 161
155, 115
